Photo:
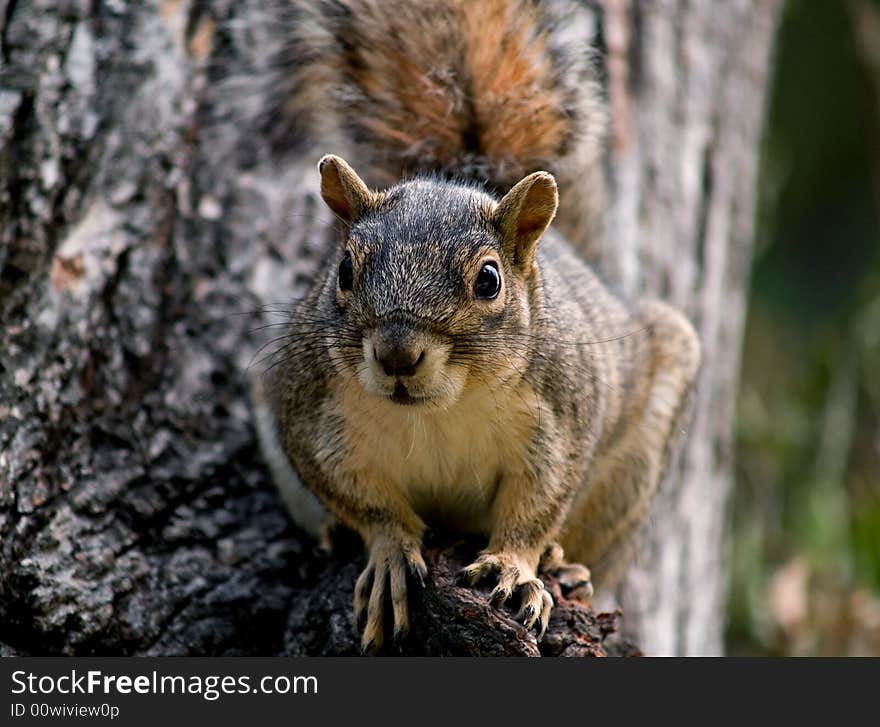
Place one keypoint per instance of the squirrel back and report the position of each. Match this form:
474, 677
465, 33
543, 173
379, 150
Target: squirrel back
488, 91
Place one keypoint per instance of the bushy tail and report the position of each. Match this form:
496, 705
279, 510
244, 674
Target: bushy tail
484, 89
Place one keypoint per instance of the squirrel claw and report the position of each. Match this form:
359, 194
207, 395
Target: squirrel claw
513, 574
362, 589
401, 631
507, 580
385, 575
465, 578
537, 604
483, 567
418, 569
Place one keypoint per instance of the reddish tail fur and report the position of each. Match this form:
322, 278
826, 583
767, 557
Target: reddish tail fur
484, 89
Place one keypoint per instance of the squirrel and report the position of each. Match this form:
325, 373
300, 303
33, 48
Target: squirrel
457, 364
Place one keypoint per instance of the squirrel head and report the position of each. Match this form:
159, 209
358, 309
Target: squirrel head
433, 288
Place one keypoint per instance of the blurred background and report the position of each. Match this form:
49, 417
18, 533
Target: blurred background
806, 553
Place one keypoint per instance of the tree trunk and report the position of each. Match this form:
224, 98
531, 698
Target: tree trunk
688, 85
139, 239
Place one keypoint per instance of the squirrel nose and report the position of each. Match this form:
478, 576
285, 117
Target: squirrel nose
398, 360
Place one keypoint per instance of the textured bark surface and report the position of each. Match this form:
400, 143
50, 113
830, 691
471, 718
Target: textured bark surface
139, 240
449, 620
688, 105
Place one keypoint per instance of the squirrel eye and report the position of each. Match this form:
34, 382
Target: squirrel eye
488, 282
346, 272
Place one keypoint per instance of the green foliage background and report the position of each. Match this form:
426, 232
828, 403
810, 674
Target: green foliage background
806, 577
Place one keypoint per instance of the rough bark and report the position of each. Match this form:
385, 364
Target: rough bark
137, 246
684, 165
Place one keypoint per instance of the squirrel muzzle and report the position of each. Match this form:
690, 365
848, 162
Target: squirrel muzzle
408, 366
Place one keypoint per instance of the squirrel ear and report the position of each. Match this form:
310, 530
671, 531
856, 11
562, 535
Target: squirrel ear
524, 213
342, 189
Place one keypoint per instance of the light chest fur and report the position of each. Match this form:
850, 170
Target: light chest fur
447, 464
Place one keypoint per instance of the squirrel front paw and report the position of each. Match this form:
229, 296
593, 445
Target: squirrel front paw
390, 559
513, 572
